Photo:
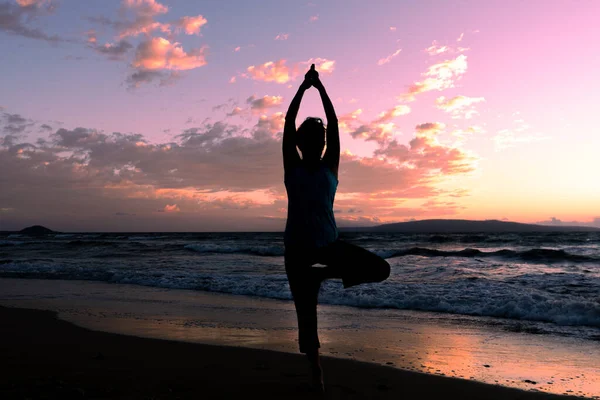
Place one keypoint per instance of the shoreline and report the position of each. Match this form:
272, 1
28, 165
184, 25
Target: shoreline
404, 341
50, 358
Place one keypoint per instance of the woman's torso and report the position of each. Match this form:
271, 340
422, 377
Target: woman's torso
311, 193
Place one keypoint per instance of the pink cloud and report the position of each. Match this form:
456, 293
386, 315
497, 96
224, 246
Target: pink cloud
314, 18
457, 102
347, 121
323, 65
145, 7
261, 104
236, 111
279, 72
389, 58
392, 28
91, 36
114, 51
270, 72
392, 113
143, 21
171, 208
429, 128
438, 77
145, 76
220, 166
282, 36
436, 49
520, 133
376, 132
270, 126
425, 154
16, 18
459, 106
29, 3
380, 130
461, 134
159, 53
191, 25
142, 26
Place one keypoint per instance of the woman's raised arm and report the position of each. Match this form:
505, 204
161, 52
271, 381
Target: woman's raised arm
332, 154
290, 154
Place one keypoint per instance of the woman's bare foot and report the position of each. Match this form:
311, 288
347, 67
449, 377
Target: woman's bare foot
317, 381
316, 371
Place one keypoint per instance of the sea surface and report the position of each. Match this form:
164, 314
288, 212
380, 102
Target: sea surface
539, 283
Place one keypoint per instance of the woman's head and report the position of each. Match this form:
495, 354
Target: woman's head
311, 138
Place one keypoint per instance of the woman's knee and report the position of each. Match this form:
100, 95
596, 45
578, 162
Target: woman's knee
383, 270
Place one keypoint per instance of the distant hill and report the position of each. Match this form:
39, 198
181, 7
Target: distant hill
467, 226
36, 230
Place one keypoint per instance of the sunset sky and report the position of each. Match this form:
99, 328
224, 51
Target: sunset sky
148, 115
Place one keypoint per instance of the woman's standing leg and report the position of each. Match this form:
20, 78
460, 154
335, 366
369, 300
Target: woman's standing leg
305, 291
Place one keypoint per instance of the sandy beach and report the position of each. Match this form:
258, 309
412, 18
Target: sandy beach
45, 357
230, 349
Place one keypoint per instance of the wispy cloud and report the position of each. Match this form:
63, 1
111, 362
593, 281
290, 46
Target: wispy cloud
519, 134
438, 77
437, 48
114, 51
459, 106
389, 58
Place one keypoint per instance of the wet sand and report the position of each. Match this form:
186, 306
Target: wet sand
470, 348
44, 357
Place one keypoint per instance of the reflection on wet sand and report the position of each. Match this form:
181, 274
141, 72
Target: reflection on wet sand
431, 343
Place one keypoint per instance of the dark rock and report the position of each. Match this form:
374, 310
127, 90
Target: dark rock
36, 230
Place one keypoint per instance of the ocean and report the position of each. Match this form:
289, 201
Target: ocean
539, 283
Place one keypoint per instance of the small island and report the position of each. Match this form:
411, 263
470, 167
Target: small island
36, 230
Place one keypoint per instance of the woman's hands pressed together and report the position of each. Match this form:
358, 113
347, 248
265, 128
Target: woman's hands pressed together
311, 78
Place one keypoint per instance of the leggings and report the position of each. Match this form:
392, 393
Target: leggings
353, 264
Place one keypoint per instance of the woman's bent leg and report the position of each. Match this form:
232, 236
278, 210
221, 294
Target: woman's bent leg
353, 264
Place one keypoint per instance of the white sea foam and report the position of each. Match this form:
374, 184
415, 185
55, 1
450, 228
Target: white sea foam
10, 242
479, 298
228, 249
538, 281
147, 237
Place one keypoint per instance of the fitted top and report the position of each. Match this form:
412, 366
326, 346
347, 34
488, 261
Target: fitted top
310, 220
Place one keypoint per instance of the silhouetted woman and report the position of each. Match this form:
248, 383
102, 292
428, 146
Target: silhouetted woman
311, 235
